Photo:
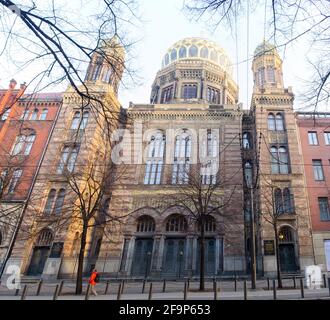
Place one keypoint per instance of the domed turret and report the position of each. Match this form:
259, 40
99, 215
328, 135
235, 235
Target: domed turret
195, 70
267, 68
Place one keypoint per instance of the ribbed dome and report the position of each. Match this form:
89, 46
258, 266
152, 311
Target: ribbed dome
198, 48
265, 48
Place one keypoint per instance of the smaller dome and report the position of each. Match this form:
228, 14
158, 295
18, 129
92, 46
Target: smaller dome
265, 48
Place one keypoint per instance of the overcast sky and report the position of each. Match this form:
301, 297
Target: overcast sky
164, 23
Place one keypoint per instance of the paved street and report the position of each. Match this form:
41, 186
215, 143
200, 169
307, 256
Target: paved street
173, 291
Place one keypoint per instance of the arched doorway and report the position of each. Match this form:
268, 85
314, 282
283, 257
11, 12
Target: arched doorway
143, 246
287, 250
175, 246
40, 252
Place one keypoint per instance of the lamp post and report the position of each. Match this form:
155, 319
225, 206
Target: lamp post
180, 262
249, 183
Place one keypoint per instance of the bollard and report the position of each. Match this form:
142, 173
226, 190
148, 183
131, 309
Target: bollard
106, 288
24, 293
39, 287
185, 291
119, 292
60, 288
310, 281
16, 292
274, 289
235, 285
122, 286
87, 292
302, 288
294, 283
324, 281
215, 289
329, 285
164, 285
143, 286
188, 283
268, 285
150, 292
55, 296
245, 290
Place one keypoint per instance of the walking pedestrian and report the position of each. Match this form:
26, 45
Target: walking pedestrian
93, 280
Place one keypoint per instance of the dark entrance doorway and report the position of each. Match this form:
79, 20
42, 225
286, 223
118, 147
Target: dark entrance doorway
287, 258
142, 257
174, 257
39, 257
287, 250
209, 257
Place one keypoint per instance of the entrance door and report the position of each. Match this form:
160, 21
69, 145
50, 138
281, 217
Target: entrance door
174, 257
39, 257
287, 258
142, 257
209, 257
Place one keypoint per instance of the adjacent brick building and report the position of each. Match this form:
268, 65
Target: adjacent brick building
314, 129
26, 123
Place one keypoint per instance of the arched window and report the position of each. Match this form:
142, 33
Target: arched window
279, 122
167, 59
176, 223
279, 160
75, 120
5, 115
288, 202
50, 202
246, 140
182, 154
25, 114
84, 120
193, 51
209, 224
23, 144
183, 52
43, 115
278, 202
45, 237
214, 56
97, 68
14, 180
270, 74
271, 122
248, 173
286, 234
174, 55
34, 114
154, 165
59, 202
204, 53
145, 224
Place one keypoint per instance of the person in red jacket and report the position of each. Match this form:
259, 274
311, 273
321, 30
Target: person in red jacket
93, 280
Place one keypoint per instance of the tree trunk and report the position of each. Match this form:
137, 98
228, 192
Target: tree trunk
278, 262
202, 258
79, 282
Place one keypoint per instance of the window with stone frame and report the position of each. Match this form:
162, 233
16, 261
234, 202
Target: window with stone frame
155, 159
189, 91
176, 223
23, 144
167, 94
14, 180
213, 95
145, 224
318, 170
182, 154
68, 159
279, 160
79, 121
324, 208
312, 138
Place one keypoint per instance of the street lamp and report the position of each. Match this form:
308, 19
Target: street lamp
248, 173
180, 262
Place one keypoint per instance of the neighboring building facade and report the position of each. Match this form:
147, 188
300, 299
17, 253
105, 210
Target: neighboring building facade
314, 129
49, 236
26, 122
281, 197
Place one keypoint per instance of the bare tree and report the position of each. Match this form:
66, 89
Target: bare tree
201, 196
286, 21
